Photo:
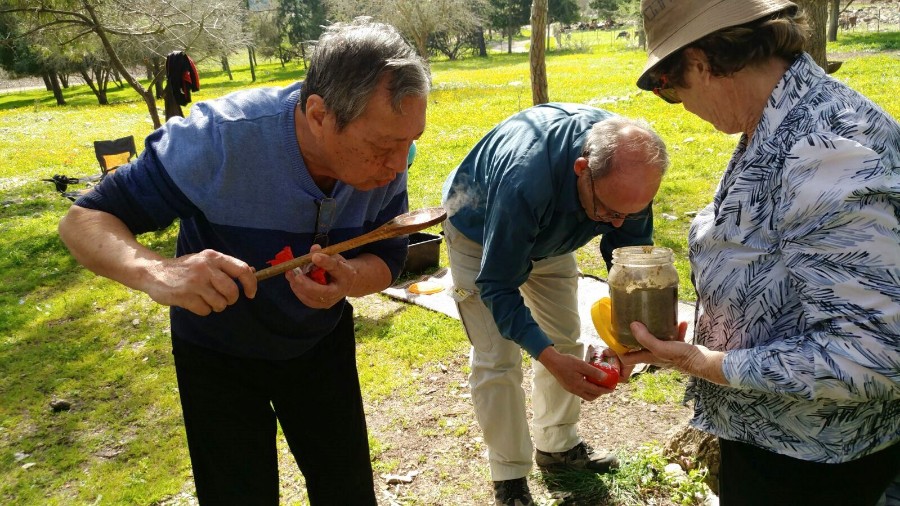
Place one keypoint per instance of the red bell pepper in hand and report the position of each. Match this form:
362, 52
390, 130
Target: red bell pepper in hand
605, 365
318, 275
282, 256
315, 273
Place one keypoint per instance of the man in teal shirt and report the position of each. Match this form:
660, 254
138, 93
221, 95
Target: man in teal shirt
536, 188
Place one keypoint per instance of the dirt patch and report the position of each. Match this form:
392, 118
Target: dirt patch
432, 439
434, 436
429, 449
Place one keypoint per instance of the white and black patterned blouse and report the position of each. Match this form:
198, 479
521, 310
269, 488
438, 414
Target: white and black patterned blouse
796, 269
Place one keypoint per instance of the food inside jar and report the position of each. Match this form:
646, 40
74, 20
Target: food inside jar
656, 308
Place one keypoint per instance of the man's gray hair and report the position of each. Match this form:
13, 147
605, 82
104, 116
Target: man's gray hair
606, 138
349, 61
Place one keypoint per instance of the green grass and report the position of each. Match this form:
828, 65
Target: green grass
389, 350
664, 386
65, 333
640, 480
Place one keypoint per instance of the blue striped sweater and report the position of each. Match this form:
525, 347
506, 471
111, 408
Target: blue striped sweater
232, 173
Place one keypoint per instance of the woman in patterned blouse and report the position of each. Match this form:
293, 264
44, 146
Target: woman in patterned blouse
796, 352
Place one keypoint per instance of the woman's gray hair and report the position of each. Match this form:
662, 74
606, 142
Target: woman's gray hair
608, 136
349, 61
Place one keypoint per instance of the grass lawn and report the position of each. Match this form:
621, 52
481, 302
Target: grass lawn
67, 334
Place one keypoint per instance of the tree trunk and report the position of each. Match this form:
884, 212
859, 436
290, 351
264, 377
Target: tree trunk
833, 15
117, 78
88, 80
479, 41
99, 92
104, 74
120, 67
692, 449
47, 84
227, 68
57, 90
509, 38
539, 93
252, 57
102, 99
156, 77
172, 109
817, 14
422, 46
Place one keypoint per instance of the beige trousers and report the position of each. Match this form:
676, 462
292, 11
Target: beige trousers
551, 293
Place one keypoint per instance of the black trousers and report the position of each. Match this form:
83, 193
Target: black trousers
751, 476
230, 409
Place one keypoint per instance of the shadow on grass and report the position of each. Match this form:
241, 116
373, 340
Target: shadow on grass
577, 488
875, 41
67, 334
368, 326
216, 82
481, 63
96, 359
42, 200
24, 99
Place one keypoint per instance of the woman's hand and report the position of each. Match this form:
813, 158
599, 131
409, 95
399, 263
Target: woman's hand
691, 359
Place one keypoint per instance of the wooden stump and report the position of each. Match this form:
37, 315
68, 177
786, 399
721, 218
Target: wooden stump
694, 449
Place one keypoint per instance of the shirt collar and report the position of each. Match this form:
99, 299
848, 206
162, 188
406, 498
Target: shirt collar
790, 90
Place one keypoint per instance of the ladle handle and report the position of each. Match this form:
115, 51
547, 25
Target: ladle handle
404, 224
382, 232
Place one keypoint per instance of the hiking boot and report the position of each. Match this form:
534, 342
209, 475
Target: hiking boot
512, 493
581, 458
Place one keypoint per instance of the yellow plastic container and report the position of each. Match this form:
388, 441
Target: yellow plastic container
601, 315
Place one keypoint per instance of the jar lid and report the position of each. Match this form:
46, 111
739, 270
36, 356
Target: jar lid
642, 255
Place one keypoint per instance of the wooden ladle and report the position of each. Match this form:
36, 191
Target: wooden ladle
404, 224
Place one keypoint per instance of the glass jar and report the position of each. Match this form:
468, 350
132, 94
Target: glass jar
643, 287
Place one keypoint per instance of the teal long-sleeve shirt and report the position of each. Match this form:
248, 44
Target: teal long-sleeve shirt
515, 194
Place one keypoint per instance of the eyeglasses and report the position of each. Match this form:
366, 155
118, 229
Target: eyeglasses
611, 215
665, 91
325, 212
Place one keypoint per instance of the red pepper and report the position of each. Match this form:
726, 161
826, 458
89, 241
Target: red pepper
612, 372
282, 256
318, 275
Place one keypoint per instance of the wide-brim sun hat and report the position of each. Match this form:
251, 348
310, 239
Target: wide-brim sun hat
673, 24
